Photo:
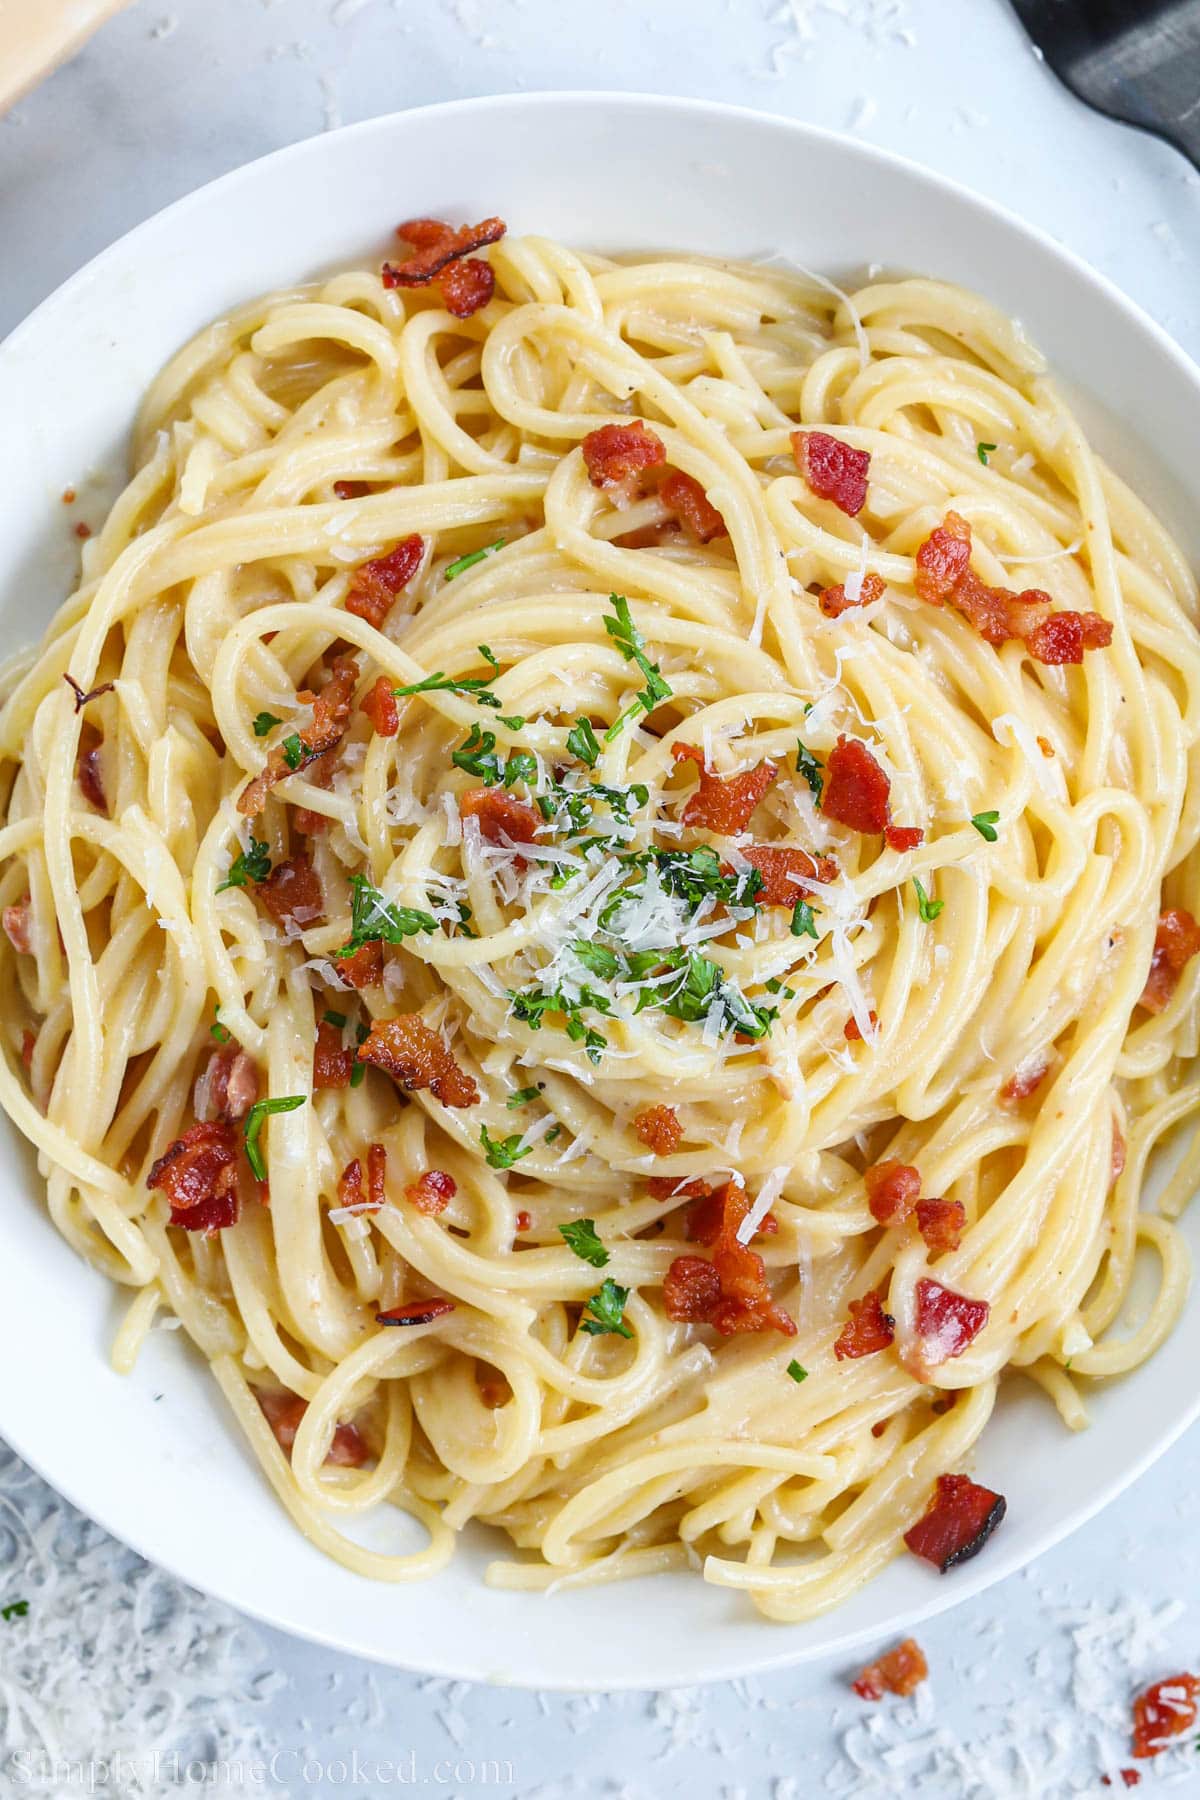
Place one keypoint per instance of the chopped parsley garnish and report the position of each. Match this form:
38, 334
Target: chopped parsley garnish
773, 985
472, 687
521, 766
261, 1110
336, 1019
803, 922
477, 756
514, 721
253, 864
705, 989
464, 927
607, 1307
632, 645
502, 1153
583, 742
468, 562
985, 824
216, 1029
531, 1008
578, 803
373, 917
797, 1371
293, 751
16, 1609
983, 451
522, 1097
581, 1238
811, 769
927, 908
692, 876
358, 1073
264, 723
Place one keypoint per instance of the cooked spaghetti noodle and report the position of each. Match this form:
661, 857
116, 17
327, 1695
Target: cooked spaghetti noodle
402, 988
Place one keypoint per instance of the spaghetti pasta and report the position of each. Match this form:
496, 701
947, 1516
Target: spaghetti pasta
575, 925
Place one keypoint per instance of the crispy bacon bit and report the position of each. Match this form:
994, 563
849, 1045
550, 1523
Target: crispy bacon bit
941, 1223
898, 1672
666, 1187
959, 1521
523, 1222
691, 1290
363, 968
834, 601
228, 1087
351, 490
432, 1192
331, 711
466, 287
416, 1312
833, 469
1166, 1709
1129, 1778
283, 1413
91, 779
616, 455
198, 1174
856, 788
501, 817
380, 707
28, 1046
659, 1129
435, 246
946, 1322
786, 872
1117, 1167
692, 506
292, 894
867, 1330
1026, 1078
892, 1189
1175, 943
852, 1031
350, 1184
374, 585
320, 774
16, 926
730, 1292
724, 804
494, 1388
709, 1218
903, 837
943, 573
417, 1057
376, 1175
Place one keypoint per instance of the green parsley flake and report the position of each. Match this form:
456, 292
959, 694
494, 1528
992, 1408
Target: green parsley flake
475, 756
581, 1238
375, 918
927, 908
468, 562
607, 1307
803, 922
261, 1110
473, 687
16, 1609
293, 751
985, 824
983, 451
220, 1032
502, 1153
632, 645
583, 742
336, 1019
522, 1097
797, 1371
264, 723
253, 864
811, 769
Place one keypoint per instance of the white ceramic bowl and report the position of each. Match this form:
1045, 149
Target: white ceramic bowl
154, 1457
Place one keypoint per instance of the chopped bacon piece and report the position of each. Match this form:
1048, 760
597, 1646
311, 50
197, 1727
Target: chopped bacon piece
374, 585
943, 573
28, 1046
523, 1222
723, 803
292, 894
416, 1312
786, 872
351, 490
691, 1289
1175, 943
692, 506
363, 968
666, 1187
466, 287
1026, 1078
892, 1189
331, 711
856, 788
320, 774
417, 1057
960, 1519
706, 1221
435, 246
867, 1330
350, 1184
731, 1292
16, 926
899, 1671
91, 779
616, 455
659, 1129
380, 707
941, 1223
198, 1174
432, 1192
501, 817
1117, 1165
283, 1413
903, 837
228, 1087
834, 601
833, 469
1129, 1778
852, 1031
1166, 1709
376, 1175
946, 1322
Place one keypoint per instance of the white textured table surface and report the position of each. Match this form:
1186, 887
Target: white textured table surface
116, 1678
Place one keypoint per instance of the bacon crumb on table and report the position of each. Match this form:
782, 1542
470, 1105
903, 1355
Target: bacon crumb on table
724, 804
415, 1056
833, 469
659, 1129
1176, 941
899, 1671
958, 1522
1165, 1710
